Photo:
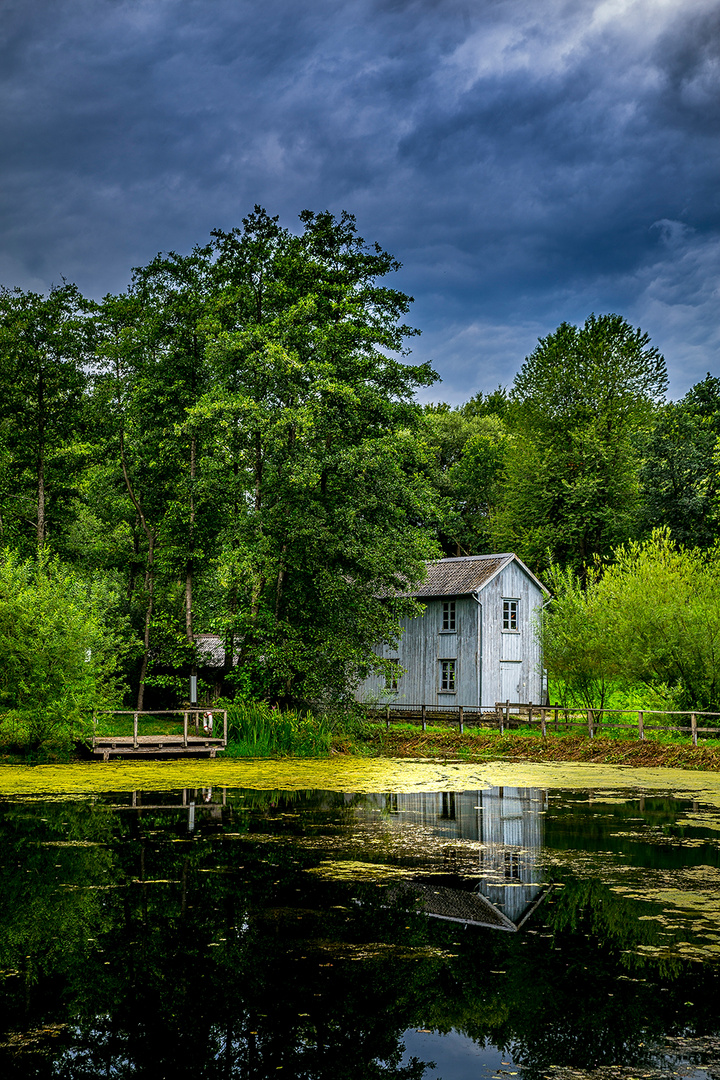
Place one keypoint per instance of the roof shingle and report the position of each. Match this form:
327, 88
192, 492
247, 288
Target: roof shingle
453, 577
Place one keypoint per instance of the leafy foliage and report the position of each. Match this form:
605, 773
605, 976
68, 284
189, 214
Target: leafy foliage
679, 473
652, 616
578, 404
62, 642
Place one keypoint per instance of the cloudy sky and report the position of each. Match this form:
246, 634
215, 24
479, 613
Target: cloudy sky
529, 161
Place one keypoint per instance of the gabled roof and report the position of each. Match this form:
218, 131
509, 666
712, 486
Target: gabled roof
466, 574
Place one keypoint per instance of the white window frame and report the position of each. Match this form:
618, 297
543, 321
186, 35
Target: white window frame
449, 617
510, 614
448, 675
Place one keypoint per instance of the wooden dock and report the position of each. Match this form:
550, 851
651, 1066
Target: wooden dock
158, 745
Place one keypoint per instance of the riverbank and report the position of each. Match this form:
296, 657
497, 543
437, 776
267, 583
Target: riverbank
479, 745
483, 745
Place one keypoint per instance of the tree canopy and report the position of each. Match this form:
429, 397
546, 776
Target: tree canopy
234, 445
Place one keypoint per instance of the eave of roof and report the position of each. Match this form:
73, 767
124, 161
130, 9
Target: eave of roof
466, 574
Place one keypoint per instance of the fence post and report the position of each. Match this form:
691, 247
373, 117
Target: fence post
424, 717
135, 729
224, 730
461, 720
641, 725
387, 717
693, 726
530, 714
542, 723
185, 722
590, 724
556, 716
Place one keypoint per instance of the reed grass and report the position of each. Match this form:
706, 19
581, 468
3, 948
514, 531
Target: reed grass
256, 729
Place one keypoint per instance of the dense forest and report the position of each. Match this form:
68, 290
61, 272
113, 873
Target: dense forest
234, 445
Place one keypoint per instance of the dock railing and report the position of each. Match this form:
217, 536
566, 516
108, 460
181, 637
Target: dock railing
190, 715
506, 715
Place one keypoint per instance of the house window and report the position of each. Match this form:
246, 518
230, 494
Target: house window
511, 866
391, 677
447, 675
448, 622
510, 614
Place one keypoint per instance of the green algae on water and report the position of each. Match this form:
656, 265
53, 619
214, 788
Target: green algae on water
364, 776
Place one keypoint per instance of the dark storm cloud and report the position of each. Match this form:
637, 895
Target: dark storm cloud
528, 163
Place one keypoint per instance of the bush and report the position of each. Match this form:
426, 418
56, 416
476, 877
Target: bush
649, 619
61, 644
256, 729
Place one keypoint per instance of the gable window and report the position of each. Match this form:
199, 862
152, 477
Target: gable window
447, 675
391, 677
448, 619
510, 614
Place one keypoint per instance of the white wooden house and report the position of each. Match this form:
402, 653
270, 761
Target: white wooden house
476, 641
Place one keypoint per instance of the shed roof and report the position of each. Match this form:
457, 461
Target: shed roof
466, 574
210, 650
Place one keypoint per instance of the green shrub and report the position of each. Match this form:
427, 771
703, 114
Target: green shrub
256, 729
61, 644
649, 620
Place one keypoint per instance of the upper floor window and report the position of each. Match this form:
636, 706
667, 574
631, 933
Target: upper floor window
448, 620
510, 614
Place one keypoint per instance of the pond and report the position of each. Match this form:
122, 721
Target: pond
359, 920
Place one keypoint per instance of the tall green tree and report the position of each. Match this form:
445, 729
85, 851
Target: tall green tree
679, 475
578, 406
468, 447
45, 346
151, 372
323, 483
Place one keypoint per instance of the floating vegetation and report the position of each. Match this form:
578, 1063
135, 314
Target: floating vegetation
354, 870
350, 774
374, 950
701, 820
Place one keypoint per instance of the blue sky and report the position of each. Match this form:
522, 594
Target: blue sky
527, 162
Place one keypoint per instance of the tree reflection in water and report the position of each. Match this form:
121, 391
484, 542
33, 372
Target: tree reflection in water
132, 945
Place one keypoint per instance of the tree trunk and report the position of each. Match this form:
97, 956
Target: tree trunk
41, 465
150, 588
280, 581
258, 472
41, 502
134, 564
189, 565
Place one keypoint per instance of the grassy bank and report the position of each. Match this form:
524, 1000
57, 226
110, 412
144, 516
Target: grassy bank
257, 731
404, 741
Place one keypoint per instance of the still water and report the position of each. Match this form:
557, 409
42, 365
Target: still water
503, 931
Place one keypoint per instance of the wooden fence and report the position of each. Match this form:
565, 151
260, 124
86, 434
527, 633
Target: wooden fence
507, 715
190, 716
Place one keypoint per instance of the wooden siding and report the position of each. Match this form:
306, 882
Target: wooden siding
491, 664
511, 660
422, 646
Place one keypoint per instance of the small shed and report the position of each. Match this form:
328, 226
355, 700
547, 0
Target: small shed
476, 642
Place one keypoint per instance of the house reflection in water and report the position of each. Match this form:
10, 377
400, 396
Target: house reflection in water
507, 824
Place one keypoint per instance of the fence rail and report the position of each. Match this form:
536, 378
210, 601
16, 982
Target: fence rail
189, 715
506, 715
